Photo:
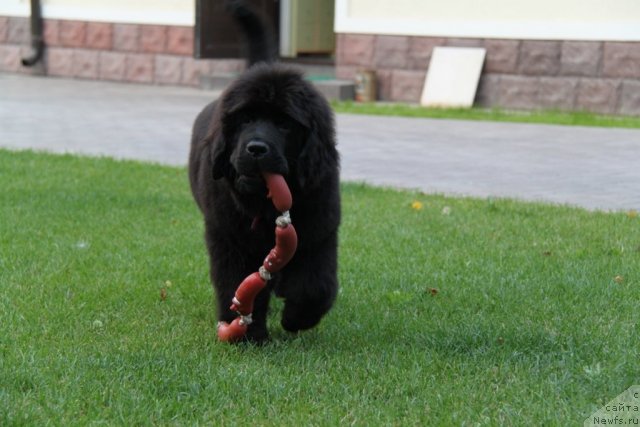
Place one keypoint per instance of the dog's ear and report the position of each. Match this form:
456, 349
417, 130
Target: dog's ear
215, 139
219, 156
319, 156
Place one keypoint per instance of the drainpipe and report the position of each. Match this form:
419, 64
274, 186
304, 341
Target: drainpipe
37, 38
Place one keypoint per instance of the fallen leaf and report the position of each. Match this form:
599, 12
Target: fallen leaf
433, 291
398, 297
163, 294
618, 279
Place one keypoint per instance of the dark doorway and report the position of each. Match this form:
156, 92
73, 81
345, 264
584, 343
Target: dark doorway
216, 34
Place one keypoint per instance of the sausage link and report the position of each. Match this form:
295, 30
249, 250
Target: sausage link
279, 192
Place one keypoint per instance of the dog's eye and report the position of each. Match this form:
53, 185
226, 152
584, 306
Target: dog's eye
243, 118
283, 125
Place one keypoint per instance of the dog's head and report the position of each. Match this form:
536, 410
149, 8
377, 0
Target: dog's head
272, 120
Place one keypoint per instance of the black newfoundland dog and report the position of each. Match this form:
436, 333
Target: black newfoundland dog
270, 119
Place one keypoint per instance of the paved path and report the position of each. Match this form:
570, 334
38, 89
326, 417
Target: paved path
590, 167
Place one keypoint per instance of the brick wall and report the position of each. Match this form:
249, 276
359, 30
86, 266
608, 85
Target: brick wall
159, 54
602, 77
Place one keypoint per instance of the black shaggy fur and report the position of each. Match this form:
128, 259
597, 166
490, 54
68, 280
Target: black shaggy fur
269, 119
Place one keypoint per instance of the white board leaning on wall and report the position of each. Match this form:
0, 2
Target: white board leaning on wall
453, 76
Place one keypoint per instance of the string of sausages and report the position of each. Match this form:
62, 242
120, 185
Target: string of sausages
278, 257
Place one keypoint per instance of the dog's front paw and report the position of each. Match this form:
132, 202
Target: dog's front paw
257, 335
294, 320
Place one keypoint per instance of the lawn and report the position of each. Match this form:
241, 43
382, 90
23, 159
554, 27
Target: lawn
568, 118
453, 311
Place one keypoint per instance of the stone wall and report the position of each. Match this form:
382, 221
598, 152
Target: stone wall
159, 54
602, 77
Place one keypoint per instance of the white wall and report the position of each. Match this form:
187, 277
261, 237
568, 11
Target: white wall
517, 19
169, 12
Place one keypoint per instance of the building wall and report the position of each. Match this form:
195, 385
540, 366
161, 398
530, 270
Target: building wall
548, 54
595, 76
559, 54
498, 19
143, 41
129, 52
165, 12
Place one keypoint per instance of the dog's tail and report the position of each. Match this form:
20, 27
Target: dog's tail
260, 39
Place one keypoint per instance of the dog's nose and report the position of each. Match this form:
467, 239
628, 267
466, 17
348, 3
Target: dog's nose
257, 148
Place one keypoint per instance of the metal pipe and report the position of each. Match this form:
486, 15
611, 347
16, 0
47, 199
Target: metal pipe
37, 37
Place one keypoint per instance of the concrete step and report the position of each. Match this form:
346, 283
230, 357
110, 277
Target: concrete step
216, 81
336, 90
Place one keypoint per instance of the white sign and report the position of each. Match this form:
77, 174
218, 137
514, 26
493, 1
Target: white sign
452, 78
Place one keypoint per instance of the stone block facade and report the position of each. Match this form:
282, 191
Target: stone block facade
155, 54
596, 76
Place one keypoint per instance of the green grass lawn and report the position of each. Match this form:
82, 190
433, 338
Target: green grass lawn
461, 312
569, 118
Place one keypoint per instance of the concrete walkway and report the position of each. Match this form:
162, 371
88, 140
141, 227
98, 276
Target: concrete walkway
589, 167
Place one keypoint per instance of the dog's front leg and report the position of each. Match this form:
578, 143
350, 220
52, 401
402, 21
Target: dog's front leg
309, 285
229, 267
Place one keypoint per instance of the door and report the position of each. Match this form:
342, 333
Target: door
312, 27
